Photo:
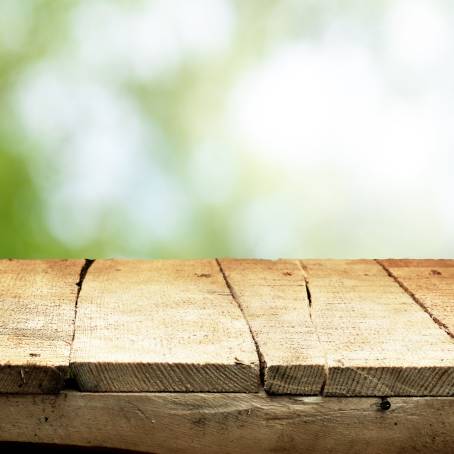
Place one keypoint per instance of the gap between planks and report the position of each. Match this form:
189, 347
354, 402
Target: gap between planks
417, 300
83, 273
70, 382
262, 363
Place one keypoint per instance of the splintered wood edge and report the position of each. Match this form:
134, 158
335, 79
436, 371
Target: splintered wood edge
230, 423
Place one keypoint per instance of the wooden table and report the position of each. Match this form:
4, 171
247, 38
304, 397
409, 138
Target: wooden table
229, 355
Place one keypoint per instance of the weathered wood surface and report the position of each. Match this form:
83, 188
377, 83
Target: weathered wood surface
339, 327
377, 340
161, 326
230, 423
431, 283
37, 300
273, 297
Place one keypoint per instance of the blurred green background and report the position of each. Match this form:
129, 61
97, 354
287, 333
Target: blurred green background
173, 128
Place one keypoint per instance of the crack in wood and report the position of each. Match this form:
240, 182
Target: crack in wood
303, 269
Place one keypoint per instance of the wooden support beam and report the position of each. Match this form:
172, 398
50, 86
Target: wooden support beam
230, 423
37, 302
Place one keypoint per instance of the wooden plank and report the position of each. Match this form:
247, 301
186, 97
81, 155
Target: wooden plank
37, 303
161, 326
272, 295
431, 284
230, 423
377, 340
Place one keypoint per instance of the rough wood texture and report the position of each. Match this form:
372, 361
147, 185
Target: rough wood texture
174, 326
231, 423
272, 295
431, 284
161, 326
377, 340
37, 301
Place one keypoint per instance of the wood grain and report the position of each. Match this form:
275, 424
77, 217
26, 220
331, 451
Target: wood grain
272, 295
431, 284
230, 423
377, 340
37, 303
161, 326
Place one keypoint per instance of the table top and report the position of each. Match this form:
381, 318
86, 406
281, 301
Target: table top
307, 327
